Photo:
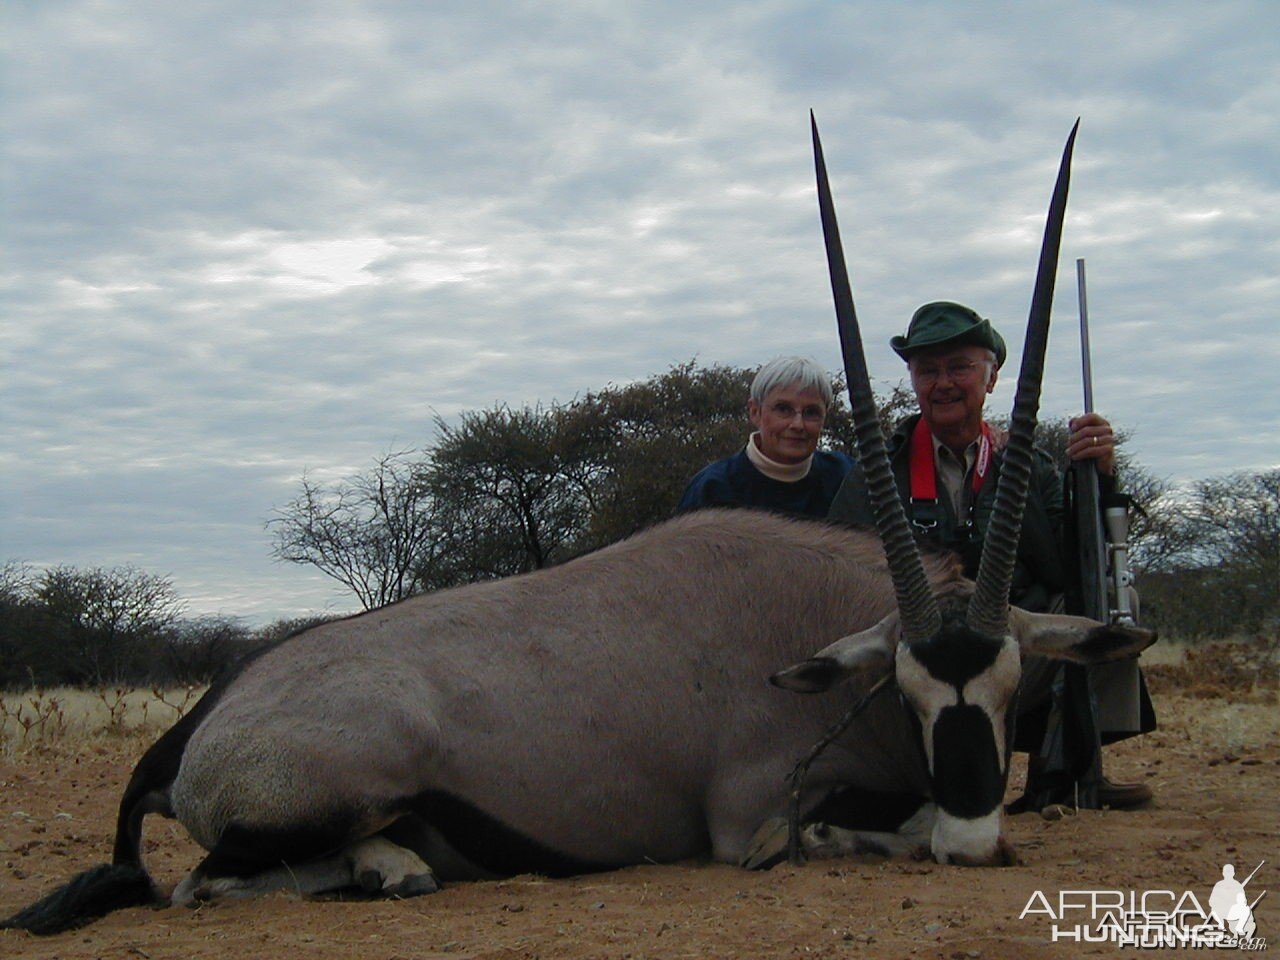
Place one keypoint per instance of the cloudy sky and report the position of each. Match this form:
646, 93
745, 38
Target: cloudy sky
244, 240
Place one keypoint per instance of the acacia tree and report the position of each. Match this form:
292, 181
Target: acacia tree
653, 435
516, 488
194, 650
23, 627
507, 490
102, 619
1212, 559
17, 581
370, 532
1239, 516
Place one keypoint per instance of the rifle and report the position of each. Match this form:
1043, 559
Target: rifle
1250, 876
1101, 521
1069, 763
1067, 766
1090, 543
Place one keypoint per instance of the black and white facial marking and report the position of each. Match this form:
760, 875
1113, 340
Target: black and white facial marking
960, 686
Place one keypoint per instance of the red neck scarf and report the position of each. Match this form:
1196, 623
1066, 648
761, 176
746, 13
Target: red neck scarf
924, 472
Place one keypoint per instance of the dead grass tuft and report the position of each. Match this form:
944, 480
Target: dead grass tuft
39, 719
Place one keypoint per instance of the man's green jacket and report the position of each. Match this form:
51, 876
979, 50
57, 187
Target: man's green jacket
1039, 575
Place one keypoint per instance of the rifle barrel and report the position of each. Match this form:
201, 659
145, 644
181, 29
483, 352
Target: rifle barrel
1084, 336
1255, 870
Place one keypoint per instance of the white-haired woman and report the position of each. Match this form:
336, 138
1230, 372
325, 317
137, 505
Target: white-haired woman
780, 468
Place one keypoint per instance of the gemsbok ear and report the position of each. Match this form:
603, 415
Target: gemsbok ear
1078, 639
871, 649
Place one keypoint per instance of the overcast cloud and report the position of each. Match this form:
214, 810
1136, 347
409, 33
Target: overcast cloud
248, 240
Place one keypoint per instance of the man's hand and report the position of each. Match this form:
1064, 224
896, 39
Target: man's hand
1093, 439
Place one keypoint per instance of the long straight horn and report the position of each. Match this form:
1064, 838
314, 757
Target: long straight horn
917, 609
989, 606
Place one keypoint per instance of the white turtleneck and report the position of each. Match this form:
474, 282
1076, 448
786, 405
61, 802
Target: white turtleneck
785, 472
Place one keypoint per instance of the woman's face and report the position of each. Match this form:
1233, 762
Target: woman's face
790, 421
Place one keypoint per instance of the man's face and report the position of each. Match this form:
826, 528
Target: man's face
951, 385
790, 422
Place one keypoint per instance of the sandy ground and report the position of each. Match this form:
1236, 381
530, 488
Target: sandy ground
1214, 765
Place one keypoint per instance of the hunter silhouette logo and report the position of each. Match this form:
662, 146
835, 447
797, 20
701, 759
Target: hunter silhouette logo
1230, 903
1155, 919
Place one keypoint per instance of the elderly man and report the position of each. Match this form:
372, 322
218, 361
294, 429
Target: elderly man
781, 468
946, 461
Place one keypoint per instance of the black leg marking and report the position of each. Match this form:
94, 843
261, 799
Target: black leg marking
492, 845
245, 851
856, 809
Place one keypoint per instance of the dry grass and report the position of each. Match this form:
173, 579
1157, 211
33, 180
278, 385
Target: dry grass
1210, 693
67, 715
1234, 673
1241, 671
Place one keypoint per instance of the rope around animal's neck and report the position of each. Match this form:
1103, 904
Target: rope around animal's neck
795, 854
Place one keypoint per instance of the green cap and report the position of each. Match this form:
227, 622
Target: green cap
942, 324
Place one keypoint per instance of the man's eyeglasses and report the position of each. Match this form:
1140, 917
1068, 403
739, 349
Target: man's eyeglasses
809, 414
958, 371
